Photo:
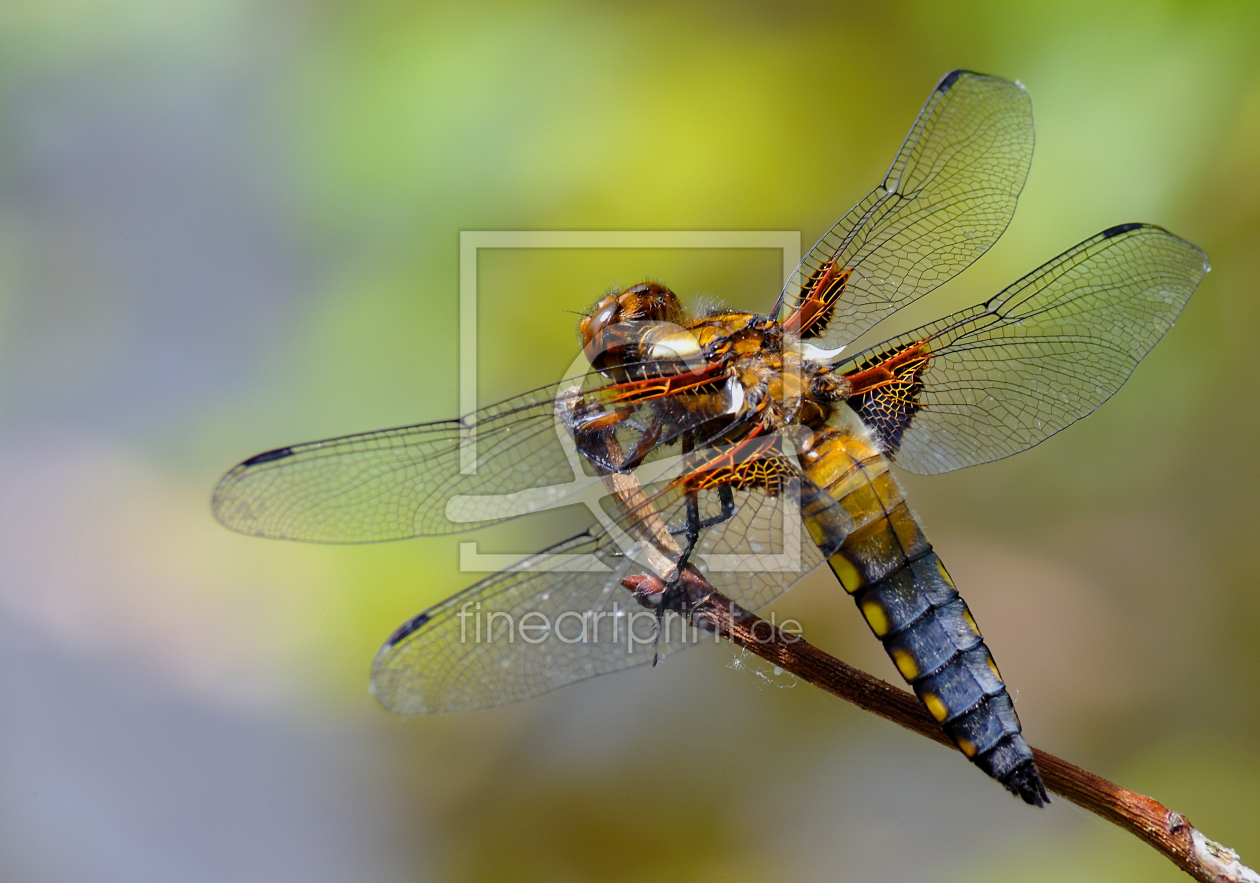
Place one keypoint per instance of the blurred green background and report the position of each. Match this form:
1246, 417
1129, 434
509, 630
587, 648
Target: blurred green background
228, 225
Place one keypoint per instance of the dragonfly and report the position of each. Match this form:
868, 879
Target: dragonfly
740, 451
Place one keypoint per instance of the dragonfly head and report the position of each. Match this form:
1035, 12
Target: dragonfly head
609, 337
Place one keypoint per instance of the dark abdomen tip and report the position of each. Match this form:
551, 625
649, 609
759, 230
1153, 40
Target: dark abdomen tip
1025, 782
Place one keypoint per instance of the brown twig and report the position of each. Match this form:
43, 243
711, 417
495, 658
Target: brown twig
1168, 832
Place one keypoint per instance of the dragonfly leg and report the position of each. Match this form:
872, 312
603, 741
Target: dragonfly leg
674, 596
692, 529
727, 498
673, 586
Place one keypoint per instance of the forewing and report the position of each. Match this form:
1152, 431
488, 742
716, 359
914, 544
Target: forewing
1003, 376
948, 196
397, 483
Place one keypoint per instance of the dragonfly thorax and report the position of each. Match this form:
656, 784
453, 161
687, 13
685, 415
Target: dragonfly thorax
710, 378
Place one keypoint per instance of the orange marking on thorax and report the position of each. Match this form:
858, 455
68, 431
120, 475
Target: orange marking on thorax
892, 370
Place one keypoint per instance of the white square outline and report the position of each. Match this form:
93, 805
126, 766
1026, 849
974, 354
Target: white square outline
472, 241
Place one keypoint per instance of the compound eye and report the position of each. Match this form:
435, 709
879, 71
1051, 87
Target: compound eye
605, 312
649, 300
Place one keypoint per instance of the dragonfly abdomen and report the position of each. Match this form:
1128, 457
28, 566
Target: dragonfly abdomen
932, 639
910, 603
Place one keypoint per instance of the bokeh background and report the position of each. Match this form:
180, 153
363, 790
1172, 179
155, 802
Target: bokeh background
227, 225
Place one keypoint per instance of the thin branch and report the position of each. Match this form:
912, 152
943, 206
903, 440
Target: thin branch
1168, 832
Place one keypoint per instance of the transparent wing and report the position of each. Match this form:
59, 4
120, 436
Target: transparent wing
564, 615
948, 196
1003, 376
397, 483
507, 637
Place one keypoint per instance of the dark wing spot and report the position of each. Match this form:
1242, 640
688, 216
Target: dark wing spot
949, 79
409, 627
1118, 229
888, 408
268, 456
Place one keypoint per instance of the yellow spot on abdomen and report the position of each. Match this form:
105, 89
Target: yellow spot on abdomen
993, 665
966, 746
875, 615
846, 572
940, 565
971, 624
905, 664
935, 705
